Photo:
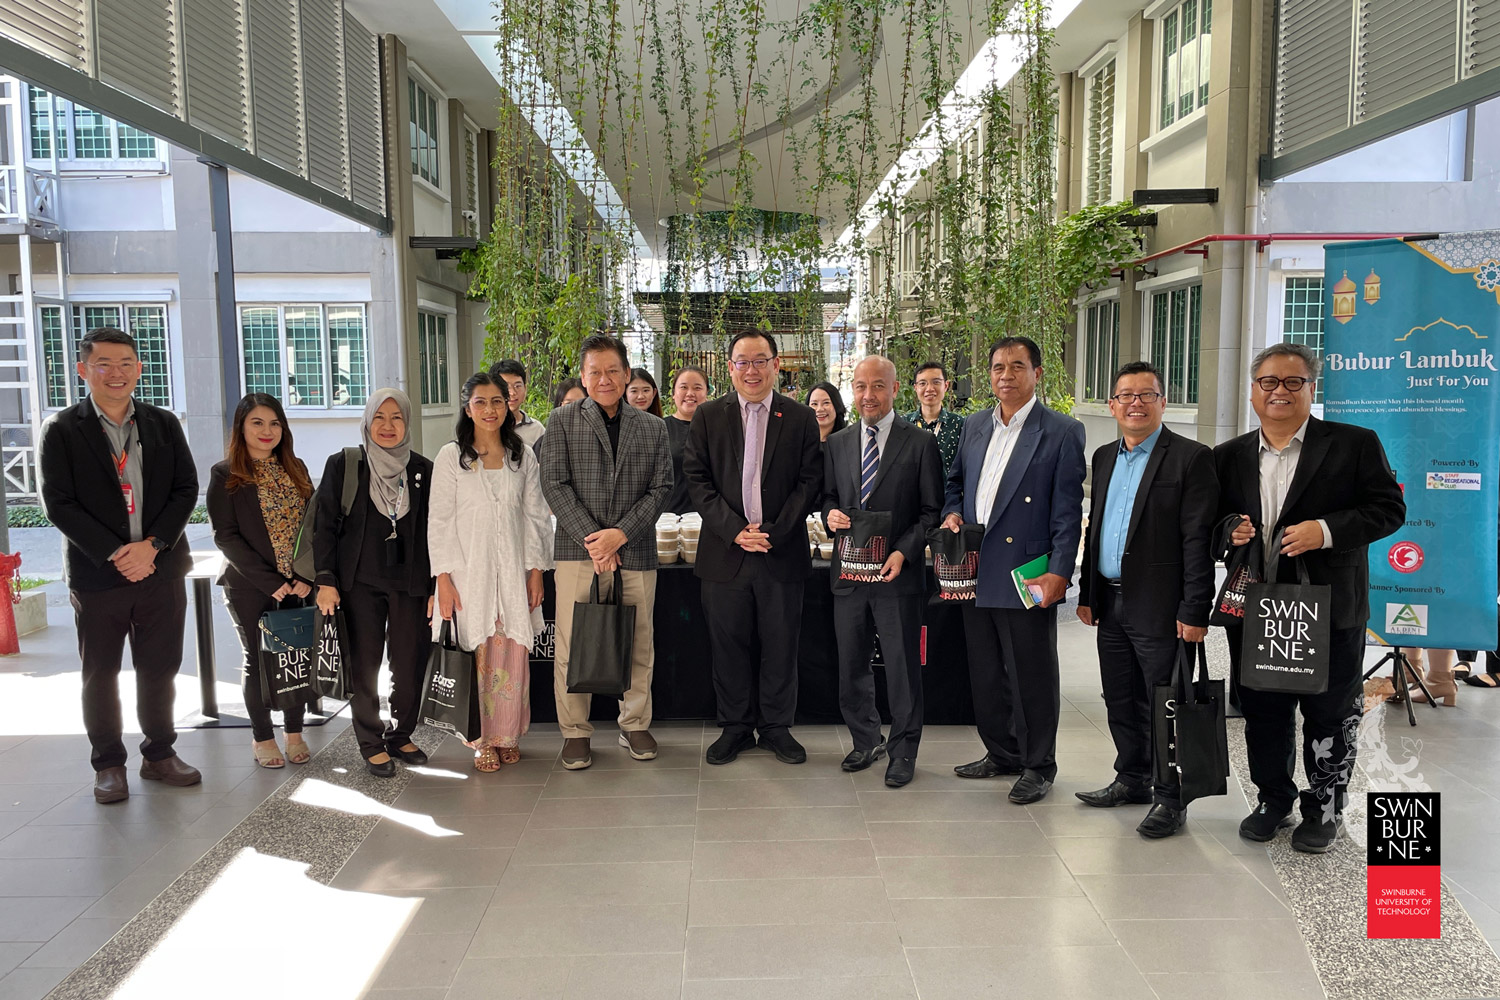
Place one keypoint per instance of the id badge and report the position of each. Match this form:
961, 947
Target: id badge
128, 492
392, 552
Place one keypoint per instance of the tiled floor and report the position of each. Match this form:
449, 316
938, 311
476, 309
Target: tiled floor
674, 879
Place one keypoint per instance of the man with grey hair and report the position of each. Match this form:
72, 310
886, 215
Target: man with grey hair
1321, 492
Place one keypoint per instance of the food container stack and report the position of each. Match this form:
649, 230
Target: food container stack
666, 539
689, 525
818, 541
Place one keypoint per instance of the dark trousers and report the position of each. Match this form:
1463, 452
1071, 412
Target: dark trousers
1330, 726
1131, 663
897, 618
150, 614
1013, 673
754, 622
1491, 659
389, 622
245, 609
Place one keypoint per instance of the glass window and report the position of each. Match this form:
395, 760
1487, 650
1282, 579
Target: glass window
147, 323
46, 127
1185, 51
1101, 350
1176, 322
432, 331
93, 136
1099, 155
424, 134
297, 352
54, 358
1302, 319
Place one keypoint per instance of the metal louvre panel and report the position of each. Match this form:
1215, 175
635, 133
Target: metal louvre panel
276, 83
1481, 37
52, 27
362, 94
323, 94
1313, 65
138, 47
214, 64
1405, 49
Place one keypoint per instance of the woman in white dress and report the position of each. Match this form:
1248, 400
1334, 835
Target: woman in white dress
490, 536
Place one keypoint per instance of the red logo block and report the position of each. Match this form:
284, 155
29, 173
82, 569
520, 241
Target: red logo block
1403, 850
1406, 557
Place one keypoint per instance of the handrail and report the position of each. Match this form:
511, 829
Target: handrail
1261, 241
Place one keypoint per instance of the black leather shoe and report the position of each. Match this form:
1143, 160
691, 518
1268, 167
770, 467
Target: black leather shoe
986, 767
111, 785
900, 771
1030, 787
1261, 825
728, 746
416, 756
784, 746
858, 760
385, 770
1116, 793
1313, 835
172, 771
1162, 821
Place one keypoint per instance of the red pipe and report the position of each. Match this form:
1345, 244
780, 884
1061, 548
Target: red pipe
1261, 241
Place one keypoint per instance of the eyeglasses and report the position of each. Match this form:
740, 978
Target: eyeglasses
1293, 383
123, 368
1136, 397
759, 364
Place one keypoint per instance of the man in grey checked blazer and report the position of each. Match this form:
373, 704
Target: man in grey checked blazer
606, 472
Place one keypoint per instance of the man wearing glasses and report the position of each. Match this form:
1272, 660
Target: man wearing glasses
754, 467
119, 483
1147, 580
1322, 491
931, 387
1019, 472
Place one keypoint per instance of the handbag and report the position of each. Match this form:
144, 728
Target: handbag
600, 651
860, 550
331, 656
1242, 568
955, 561
287, 638
450, 688
1190, 746
1287, 630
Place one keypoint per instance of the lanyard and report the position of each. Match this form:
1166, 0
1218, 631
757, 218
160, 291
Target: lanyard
396, 505
124, 454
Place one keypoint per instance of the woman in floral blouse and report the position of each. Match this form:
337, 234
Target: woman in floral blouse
256, 498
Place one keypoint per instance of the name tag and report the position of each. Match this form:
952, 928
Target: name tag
128, 492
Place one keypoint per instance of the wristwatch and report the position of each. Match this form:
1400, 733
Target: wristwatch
158, 544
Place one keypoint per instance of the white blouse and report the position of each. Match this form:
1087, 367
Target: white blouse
487, 528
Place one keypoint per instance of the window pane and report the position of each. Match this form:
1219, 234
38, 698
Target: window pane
432, 141
1187, 58
1114, 337
1169, 70
86, 318
44, 128
91, 133
304, 355
54, 357
1302, 319
135, 144
1177, 375
261, 346
442, 359
424, 351
1159, 304
351, 368
411, 93
1091, 356
1204, 38
148, 325
1195, 324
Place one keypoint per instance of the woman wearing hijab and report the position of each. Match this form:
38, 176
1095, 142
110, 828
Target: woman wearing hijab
373, 563
491, 537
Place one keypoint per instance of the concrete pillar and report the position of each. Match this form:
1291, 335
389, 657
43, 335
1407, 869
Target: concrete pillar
400, 308
201, 396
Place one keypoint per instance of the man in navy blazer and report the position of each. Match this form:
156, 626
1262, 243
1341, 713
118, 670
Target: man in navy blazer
1019, 472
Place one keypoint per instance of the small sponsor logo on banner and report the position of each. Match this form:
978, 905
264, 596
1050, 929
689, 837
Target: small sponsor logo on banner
1404, 853
1406, 619
1406, 557
1453, 481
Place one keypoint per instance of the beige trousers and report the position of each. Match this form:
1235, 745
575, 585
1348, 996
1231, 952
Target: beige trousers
573, 579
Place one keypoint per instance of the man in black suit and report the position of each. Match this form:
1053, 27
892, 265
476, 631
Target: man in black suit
119, 483
1322, 491
1147, 580
881, 463
754, 471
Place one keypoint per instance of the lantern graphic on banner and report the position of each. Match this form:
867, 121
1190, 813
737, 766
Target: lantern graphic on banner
1372, 288
1343, 299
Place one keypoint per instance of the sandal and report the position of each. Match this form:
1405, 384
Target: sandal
1482, 680
298, 753
510, 755
1462, 669
486, 760
269, 757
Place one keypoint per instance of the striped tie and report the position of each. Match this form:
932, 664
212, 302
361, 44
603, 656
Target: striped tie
869, 467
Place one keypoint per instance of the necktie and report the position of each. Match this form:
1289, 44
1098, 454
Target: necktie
869, 466
750, 479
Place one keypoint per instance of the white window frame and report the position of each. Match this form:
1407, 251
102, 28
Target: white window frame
420, 83
1084, 306
449, 316
65, 109
71, 335
1165, 285
471, 177
284, 395
1159, 12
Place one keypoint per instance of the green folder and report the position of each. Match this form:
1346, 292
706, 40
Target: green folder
1030, 571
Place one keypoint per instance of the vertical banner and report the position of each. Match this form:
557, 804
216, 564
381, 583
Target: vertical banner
1404, 853
1409, 350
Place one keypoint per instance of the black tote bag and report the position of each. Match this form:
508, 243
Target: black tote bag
331, 656
1188, 736
1287, 629
600, 650
450, 688
955, 561
1242, 568
287, 641
860, 550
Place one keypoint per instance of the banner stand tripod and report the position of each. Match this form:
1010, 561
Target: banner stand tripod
1401, 668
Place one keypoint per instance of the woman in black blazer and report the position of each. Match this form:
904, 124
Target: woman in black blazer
256, 499
373, 563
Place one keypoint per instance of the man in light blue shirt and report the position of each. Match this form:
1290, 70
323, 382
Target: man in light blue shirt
1130, 466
